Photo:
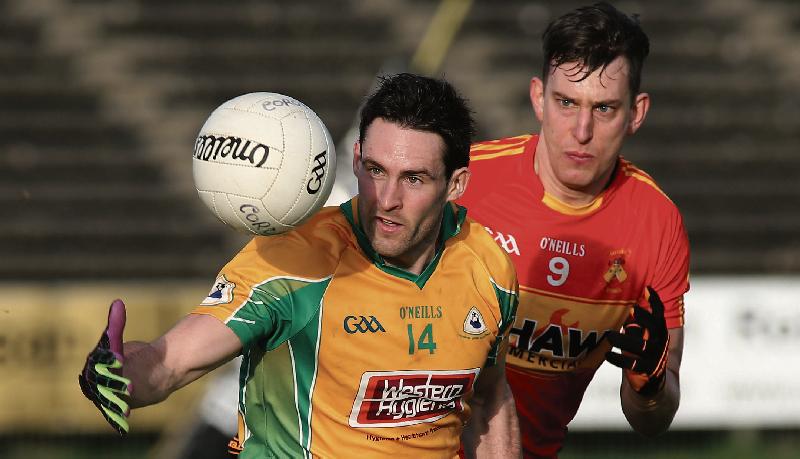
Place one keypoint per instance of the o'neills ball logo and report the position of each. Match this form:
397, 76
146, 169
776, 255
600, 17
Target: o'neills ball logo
211, 148
404, 398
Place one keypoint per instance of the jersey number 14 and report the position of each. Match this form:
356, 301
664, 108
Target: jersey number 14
425, 340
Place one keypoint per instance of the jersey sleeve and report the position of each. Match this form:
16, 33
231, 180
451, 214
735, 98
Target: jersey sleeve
260, 303
507, 301
671, 275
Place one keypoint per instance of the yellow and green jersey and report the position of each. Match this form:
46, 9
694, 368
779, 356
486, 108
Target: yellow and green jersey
345, 355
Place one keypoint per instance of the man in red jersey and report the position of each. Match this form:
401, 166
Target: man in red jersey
598, 247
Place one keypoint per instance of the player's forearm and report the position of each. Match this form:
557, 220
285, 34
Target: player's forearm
152, 381
650, 416
493, 430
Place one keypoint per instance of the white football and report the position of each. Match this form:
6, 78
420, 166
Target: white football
263, 163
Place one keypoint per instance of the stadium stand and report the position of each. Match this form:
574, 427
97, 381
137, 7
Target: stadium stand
79, 198
95, 134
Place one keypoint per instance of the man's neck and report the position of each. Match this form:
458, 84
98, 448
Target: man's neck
414, 263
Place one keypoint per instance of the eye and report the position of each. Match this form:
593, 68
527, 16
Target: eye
603, 108
413, 179
564, 102
373, 170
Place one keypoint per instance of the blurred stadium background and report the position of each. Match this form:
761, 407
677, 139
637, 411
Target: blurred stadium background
100, 102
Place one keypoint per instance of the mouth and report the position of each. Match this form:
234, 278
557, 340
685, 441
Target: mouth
386, 225
579, 156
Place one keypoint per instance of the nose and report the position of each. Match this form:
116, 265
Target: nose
390, 195
583, 130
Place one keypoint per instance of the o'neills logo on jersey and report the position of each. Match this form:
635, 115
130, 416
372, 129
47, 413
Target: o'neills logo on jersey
404, 398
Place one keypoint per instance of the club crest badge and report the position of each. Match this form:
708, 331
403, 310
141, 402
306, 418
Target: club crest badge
474, 323
221, 292
616, 266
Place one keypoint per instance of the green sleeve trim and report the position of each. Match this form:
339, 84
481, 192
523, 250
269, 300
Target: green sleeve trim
277, 310
507, 301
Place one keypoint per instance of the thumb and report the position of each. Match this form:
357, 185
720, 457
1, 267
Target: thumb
116, 325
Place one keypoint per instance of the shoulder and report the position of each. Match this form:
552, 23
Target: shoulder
477, 246
638, 186
312, 250
500, 151
492, 159
491, 271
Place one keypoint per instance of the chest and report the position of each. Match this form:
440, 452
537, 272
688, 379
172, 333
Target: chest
607, 255
391, 323
392, 353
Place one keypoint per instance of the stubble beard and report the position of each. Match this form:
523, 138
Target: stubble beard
404, 248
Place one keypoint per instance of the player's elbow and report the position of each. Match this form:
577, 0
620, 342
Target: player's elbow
652, 428
653, 422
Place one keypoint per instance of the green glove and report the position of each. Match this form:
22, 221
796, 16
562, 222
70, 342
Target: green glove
101, 381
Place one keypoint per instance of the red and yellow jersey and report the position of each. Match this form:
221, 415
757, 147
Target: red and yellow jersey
344, 355
580, 271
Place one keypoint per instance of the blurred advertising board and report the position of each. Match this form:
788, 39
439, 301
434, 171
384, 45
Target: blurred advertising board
46, 330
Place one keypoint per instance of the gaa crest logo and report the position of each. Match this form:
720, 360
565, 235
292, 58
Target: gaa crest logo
362, 324
221, 292
474, 323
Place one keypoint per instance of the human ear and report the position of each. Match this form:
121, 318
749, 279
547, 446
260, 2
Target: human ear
457, 184
537, 97
641, 104
356, 156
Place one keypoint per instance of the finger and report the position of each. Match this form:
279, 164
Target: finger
115, 383
86, 388
114, 412
656, 305
105, 370
116, 326
117, 420
620, 360
626, 343
99, 355
110, 396
634, 330
644, 318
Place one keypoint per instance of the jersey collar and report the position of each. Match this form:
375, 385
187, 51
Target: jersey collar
452, 219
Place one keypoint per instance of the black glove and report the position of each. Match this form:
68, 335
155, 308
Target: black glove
101, 381
644, 343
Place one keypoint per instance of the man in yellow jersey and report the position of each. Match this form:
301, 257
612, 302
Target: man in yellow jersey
377, 328
591, 235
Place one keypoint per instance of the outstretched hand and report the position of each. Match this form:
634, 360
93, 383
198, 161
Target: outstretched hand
644, 343
101, 380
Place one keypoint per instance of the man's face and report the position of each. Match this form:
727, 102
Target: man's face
584, 123
402, 191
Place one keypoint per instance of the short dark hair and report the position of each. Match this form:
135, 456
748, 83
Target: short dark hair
593, 36
423, 104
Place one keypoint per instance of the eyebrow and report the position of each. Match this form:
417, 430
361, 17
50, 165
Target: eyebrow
609, 102
405, 173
